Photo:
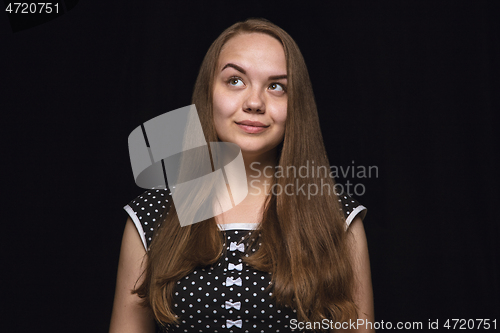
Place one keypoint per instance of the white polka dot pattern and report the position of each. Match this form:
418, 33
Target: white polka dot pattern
229, 296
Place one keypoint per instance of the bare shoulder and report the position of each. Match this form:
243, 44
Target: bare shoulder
357, 231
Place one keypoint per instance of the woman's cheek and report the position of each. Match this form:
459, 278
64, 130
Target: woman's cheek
224, 104
280, 116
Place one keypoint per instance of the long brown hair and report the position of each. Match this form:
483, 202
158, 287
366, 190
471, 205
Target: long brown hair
303, 239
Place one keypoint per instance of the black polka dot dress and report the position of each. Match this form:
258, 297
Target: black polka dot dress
228, 296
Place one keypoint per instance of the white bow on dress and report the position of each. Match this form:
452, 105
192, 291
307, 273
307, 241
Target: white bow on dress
230, 281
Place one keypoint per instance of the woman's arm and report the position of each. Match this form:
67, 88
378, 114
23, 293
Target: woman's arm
128, 315
363, 296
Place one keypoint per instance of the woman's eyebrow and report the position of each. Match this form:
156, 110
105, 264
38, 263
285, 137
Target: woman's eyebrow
239, 69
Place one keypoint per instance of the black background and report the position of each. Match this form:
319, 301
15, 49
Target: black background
411, 87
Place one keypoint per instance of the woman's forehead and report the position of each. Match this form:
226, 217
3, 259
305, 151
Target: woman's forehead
252, 50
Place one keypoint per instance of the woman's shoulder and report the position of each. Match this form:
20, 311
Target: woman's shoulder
351, 208
147, 211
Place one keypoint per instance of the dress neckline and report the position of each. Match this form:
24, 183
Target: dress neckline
238, 226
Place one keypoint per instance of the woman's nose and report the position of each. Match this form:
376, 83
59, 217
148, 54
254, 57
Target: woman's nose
254, 102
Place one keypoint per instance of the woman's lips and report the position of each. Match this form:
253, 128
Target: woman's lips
252, 127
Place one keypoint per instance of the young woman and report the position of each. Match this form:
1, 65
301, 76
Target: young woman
292, 254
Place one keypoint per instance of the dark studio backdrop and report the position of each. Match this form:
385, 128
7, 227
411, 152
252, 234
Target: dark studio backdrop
410, 87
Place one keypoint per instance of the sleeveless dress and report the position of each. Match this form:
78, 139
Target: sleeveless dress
228, 296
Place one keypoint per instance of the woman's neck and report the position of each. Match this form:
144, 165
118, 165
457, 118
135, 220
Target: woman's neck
259, 171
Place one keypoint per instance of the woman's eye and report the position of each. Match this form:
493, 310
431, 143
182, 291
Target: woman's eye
235, 81
277, 87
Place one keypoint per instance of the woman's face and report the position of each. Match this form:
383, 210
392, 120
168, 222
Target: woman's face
250, 99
